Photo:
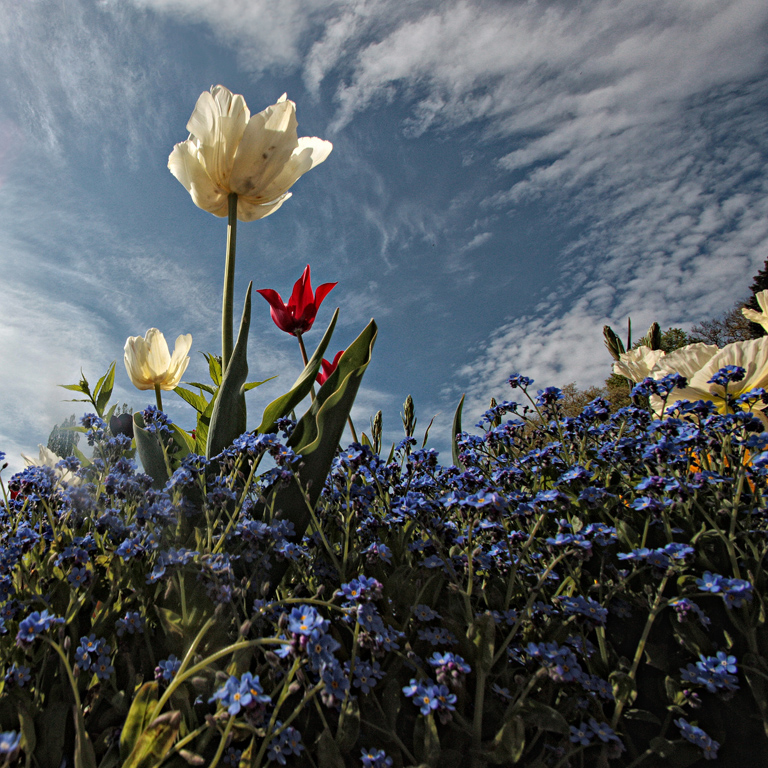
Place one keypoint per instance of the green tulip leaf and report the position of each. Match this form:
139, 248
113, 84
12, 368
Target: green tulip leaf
228, 420
456, 429
184, 442
316, 438
287, 402
150, 452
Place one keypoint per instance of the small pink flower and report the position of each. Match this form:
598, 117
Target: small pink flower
298, 315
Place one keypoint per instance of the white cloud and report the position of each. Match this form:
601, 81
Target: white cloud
73, 72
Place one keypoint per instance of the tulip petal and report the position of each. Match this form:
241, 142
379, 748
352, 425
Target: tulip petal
322, 292
751, 355
135, 354
686, 361
158, 357
185, 165
637, 363
280, 314
248, 210
310, 152
179, 362
301, 296
217, 125
267, 144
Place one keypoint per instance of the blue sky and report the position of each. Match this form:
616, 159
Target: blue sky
506, 178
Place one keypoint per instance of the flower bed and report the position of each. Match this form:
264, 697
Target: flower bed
577, 591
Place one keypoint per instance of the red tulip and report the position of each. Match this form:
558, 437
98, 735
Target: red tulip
328, 368
298, 315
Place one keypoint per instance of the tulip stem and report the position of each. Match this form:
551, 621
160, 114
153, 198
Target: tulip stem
306, 361
158, 397
229, 284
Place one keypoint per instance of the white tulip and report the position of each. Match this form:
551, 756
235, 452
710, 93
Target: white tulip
47, 458
258, 157
149, 363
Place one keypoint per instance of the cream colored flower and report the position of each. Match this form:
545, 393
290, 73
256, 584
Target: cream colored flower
700, 362
149, 363
259, 157
761, 318
637, 363
47, 458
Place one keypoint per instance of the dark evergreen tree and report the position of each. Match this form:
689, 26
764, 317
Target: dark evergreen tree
64, 438
759, 283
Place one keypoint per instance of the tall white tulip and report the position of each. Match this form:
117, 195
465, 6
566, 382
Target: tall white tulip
257, 157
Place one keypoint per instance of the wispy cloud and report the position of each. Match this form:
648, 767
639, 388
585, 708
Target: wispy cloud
75, 80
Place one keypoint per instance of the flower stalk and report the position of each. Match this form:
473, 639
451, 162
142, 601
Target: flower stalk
227, 342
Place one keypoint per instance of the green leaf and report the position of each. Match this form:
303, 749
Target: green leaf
203, 424
228, 420
53, 723
85, 757
73, 388
172, 622
150, 452
426, 434
253, 384
138, 718
198, 402
482, 634
642, 714
541, 716
287, 402
509, 743
680, 753
27, 726
103, 390
757, 684
426, 741
623, 686
205, 387
184, 440
316, 437
349, 726
155, 742
328, 753
214, 368
455, 431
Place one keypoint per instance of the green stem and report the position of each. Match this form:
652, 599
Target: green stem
303, 349
655, 610
158, 397
222, 743
229, 284
305, 359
